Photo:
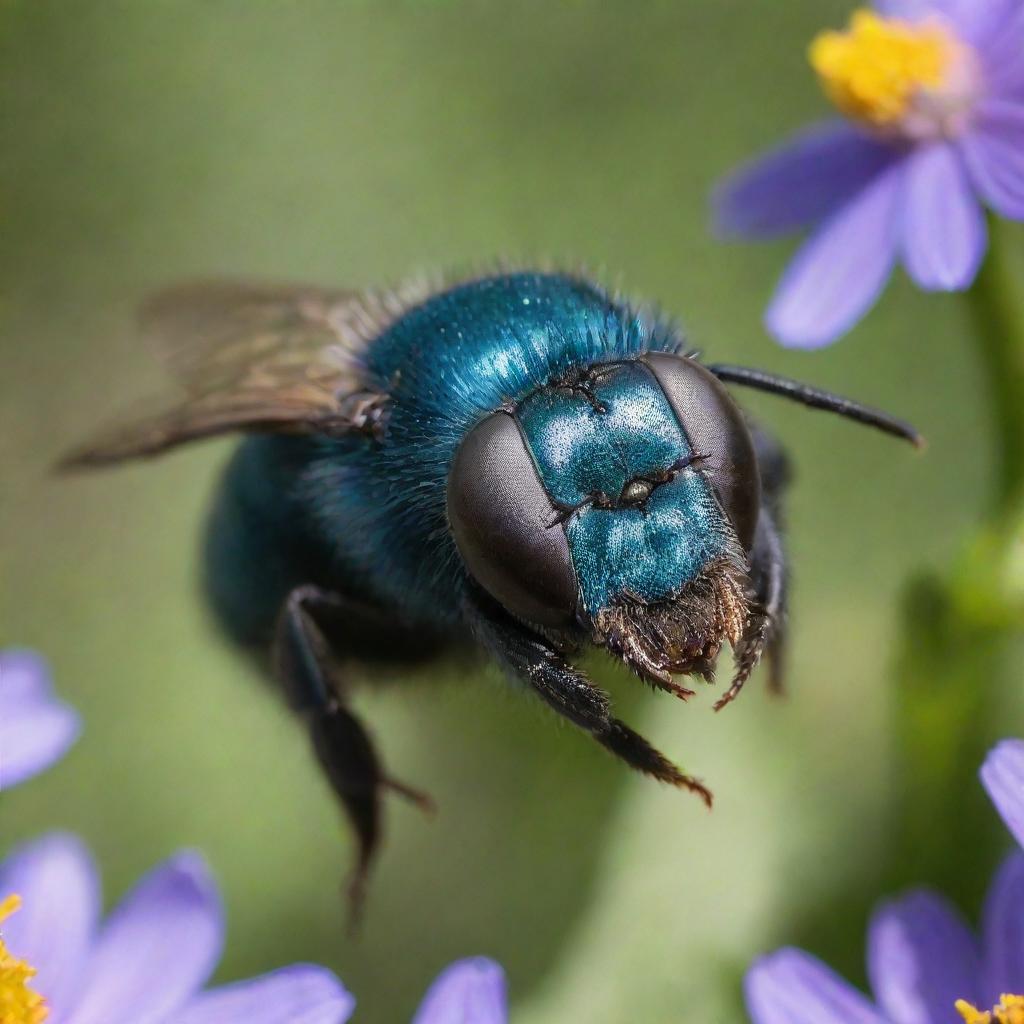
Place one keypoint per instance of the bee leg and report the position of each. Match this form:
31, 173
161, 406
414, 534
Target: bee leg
315, 688
765, 631
770, 571
772, 593
529, 658
774, 466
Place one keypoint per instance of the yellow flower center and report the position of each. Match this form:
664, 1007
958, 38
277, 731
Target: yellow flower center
18, 1003
1009, 1011
895, 76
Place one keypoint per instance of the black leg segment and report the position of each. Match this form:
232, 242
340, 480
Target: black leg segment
529, 658
315, 688
771, 584
768, 612
768, 573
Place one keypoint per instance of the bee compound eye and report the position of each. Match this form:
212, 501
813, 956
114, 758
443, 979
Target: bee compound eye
714, 427
501, 518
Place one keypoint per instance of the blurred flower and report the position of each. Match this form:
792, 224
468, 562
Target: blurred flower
468, 992
923, 961
1003, 776
933, 95
35, 728
147, 963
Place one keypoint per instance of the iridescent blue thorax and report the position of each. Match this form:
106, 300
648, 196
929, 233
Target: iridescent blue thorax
447, 364
595, 445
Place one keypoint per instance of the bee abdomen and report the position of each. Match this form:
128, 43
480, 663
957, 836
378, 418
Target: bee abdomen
257, 547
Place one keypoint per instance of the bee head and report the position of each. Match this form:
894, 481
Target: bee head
621, 499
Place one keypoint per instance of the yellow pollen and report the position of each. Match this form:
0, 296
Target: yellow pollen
875, 69
1009, 1011
18, 1003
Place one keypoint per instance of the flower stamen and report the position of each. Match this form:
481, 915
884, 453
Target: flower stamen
1009, 1011
897, 77
18, 1003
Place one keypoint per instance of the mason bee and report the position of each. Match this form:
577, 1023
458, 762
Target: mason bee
522, 462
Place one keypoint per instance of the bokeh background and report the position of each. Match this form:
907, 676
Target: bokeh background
353, 143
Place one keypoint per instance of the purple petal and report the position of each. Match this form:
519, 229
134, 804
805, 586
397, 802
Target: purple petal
909, 9
1002, 51
1002, 775
1004, 931
974, 20
302, 994
792, 987
944, 231
921, 959
468, 992
24, 676
60, 893
35, 728
841, 270
800, 183
157, 949
994, 154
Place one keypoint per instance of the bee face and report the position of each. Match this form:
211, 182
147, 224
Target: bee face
620, 486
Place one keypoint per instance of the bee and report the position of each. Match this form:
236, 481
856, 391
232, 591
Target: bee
522, 462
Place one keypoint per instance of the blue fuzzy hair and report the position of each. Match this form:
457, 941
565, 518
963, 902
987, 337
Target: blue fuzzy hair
446, 364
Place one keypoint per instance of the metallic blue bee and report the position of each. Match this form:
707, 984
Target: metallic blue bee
523, 462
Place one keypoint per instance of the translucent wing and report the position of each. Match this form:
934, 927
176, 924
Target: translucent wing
256, 357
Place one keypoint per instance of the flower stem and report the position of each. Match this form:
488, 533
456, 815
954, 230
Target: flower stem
958, 627
998, 313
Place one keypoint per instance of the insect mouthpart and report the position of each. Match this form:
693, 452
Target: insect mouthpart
683, 633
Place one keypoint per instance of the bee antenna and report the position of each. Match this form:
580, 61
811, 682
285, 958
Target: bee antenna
816, 398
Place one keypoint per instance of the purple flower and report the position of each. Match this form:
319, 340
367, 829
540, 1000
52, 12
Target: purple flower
468, 992
933, 93
1003, 777
148, 961
922, 961
35, 728
924, 964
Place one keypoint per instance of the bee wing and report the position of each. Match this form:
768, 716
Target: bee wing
259, 357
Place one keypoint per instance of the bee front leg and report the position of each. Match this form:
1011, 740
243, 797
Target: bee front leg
315, 688
771, 582
769, 570
529, 658
769, 576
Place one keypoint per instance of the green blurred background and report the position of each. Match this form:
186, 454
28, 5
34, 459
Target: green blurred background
354, 143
